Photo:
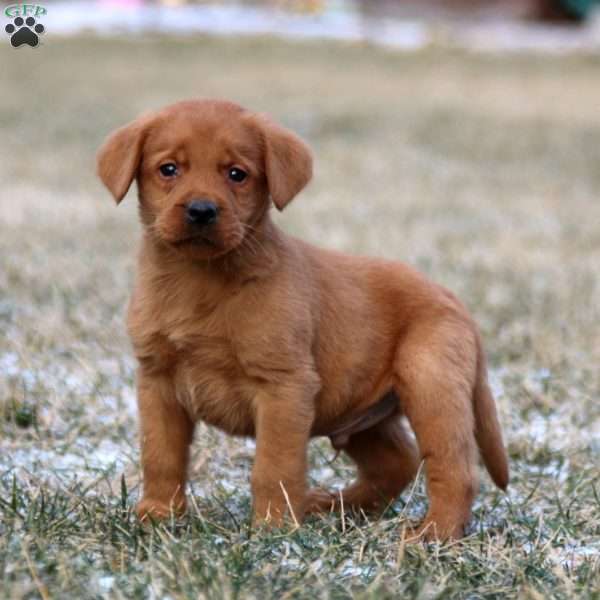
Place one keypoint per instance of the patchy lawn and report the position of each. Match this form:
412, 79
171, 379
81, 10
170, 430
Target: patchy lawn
482, 171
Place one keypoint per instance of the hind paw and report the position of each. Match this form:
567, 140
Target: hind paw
319, 500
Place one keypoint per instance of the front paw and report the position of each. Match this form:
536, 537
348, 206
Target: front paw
275, 515
273, 518
432, 531
149, 509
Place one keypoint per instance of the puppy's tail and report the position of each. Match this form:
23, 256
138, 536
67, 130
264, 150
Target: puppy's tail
487, 429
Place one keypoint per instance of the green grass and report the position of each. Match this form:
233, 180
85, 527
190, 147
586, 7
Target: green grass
480, 170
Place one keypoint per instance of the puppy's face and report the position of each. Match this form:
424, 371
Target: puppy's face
206, 172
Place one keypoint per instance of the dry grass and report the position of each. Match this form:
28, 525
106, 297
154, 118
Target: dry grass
482, 171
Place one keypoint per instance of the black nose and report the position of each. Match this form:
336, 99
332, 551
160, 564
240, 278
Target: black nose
201, 212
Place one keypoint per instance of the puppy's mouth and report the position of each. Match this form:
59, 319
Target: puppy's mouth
196, 240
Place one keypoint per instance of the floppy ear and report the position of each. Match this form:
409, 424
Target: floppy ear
119, 157
288, 162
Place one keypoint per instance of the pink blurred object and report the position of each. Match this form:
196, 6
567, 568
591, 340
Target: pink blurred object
121, 3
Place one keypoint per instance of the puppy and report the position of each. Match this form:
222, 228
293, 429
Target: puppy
239, 325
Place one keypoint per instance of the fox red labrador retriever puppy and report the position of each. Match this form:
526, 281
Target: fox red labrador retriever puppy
258, 333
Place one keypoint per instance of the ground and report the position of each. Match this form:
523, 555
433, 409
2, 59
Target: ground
480, 170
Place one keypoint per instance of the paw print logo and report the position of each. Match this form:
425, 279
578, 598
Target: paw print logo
24, 31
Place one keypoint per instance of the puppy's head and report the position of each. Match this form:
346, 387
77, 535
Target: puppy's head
206, 171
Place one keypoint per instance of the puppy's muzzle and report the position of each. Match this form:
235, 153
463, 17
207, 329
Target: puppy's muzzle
200, 213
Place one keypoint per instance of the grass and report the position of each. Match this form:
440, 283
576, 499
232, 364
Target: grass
480, 170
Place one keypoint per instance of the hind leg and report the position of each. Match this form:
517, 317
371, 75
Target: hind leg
434, 376
387, 460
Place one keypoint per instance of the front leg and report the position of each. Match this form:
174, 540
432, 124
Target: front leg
284, 420
166, 435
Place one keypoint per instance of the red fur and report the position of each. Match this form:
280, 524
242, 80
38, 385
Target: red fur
262, 334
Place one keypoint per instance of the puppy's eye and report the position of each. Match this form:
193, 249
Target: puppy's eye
168, 170
236, 174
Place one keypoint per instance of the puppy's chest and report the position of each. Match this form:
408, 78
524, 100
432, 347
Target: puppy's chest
208, 377
212, 385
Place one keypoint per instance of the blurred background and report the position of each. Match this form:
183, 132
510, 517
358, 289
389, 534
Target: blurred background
491, 24
461, 136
